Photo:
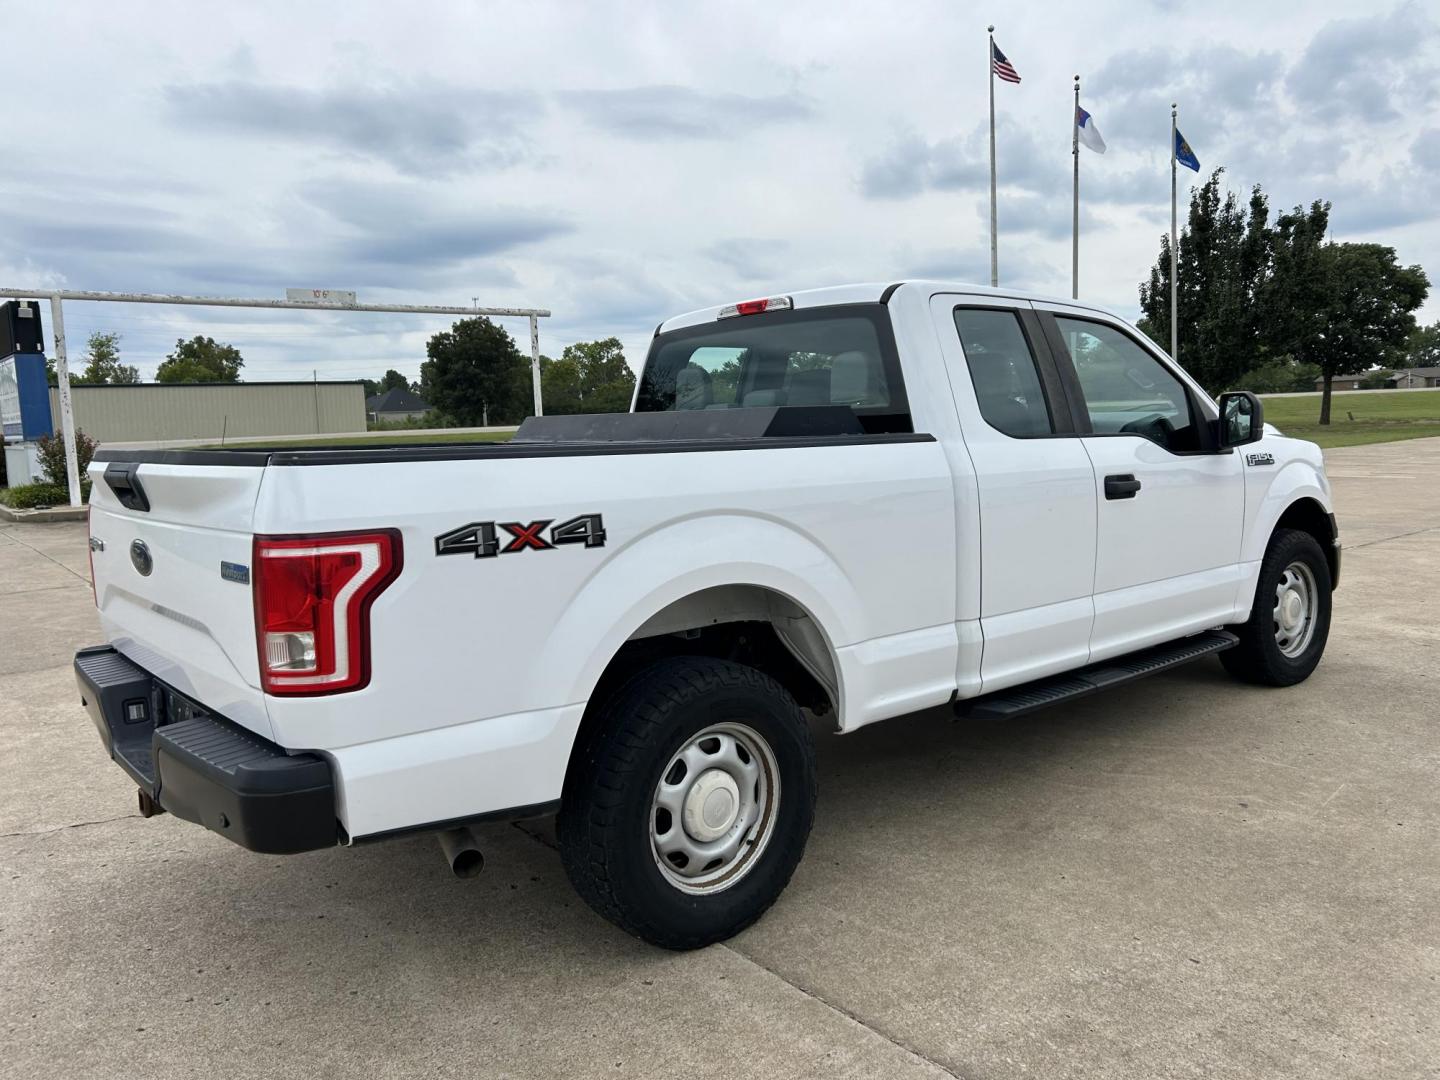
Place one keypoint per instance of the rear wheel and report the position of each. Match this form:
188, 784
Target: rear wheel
1285, 636
689, 806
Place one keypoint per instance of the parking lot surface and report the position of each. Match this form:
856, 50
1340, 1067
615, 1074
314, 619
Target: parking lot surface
1185, 877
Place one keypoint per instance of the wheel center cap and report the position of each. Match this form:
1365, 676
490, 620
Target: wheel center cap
1292, 610
711, 805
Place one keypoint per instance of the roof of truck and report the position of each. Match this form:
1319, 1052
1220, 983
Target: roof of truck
868, 293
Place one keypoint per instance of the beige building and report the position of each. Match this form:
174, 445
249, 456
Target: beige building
145, 412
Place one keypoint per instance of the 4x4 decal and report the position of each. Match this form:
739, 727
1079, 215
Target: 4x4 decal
482, 538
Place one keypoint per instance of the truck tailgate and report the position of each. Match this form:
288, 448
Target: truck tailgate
171, 550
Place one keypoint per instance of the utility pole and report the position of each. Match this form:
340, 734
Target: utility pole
67, 416
535, 363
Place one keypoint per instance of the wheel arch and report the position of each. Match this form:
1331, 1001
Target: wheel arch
1307, 514
711, 589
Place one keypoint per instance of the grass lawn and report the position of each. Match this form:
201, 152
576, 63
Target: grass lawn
1378, 417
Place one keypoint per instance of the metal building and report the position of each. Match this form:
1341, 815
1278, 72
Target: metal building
143, 412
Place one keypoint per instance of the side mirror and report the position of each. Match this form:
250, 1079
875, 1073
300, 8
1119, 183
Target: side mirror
1242, 419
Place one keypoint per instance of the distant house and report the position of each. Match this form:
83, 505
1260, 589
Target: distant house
1414, 378
1403, 379
1341, 382
397, 404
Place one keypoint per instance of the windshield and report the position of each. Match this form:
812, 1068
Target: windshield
841, 355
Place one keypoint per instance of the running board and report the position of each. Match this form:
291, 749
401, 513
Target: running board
1019, 700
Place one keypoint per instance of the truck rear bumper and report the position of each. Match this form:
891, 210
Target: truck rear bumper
201, 767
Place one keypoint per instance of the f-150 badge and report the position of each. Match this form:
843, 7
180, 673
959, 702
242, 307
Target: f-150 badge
1259, 459
482, 539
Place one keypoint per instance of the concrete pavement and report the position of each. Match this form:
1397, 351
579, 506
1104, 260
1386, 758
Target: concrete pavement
1182, 878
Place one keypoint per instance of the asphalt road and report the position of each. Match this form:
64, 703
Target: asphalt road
1183, 878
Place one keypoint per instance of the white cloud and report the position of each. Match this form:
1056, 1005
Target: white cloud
621, 162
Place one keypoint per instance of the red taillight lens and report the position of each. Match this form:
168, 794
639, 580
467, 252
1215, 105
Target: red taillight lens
312, 607
751, 307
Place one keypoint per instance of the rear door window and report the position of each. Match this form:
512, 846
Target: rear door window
841, 355
1003, 372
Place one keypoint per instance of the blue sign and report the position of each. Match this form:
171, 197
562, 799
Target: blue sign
24, 398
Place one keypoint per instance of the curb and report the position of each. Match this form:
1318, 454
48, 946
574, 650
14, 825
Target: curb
38, 517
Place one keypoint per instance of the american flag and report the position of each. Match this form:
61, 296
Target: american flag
1001, 66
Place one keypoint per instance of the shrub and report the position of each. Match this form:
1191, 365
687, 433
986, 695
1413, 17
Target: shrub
30, 496
51, 449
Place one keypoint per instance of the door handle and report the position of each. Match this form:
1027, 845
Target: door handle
1121, 486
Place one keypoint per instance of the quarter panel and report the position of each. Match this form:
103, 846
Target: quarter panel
862, 536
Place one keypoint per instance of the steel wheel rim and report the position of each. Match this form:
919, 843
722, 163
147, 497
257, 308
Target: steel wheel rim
1296, 605
702, 843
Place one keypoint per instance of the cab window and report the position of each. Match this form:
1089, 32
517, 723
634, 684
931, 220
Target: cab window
1127, 390
842, 355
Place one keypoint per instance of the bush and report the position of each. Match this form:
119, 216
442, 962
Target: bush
30, 496
1279, 377
431, 419
51, 450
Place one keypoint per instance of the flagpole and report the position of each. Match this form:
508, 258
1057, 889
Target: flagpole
994, 243
1174, 253
1075, 215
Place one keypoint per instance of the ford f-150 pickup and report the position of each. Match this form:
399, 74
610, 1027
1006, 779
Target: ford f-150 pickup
853, 502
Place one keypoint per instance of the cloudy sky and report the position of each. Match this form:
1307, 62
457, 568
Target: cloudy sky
619, 162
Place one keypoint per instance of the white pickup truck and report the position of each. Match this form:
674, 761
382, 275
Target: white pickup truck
857, 501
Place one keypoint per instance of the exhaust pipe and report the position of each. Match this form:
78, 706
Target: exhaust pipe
462, 851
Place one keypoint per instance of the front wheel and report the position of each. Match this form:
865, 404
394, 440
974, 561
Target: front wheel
688, 807
1283, 639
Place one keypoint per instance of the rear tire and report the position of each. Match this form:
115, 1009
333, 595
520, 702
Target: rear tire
1285, 636
688, 807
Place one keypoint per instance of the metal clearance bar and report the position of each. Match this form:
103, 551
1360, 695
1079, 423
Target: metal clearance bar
62, 368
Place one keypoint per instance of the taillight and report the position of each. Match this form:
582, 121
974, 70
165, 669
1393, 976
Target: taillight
312, 607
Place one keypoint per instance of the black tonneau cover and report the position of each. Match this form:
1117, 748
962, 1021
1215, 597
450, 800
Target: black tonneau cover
767, 428
767, 422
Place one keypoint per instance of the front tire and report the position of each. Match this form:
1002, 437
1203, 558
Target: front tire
1285, 636
689, 805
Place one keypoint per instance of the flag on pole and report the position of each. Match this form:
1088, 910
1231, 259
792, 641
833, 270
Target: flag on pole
1001, 65
1183, 154
1087, 132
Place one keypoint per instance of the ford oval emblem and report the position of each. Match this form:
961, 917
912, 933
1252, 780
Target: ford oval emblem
140, 557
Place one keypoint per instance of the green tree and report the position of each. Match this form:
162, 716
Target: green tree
606, 382
475, 375
560, 386
1223, 257
589, 377
1421, 348
1370, 310
102, 364
201, 359
1296, 295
